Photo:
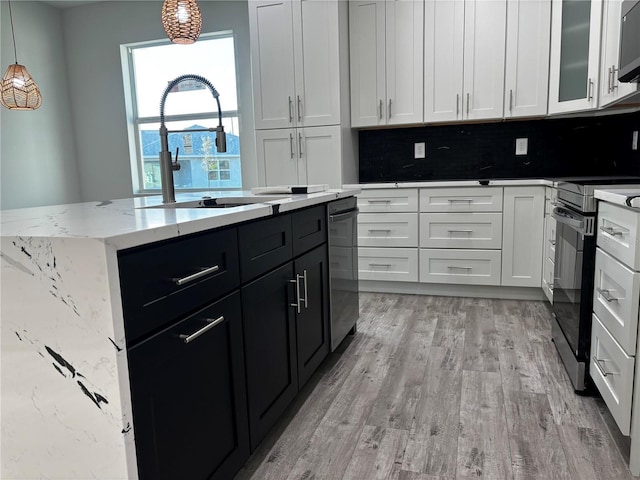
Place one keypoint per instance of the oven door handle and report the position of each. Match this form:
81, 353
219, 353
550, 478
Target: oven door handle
575, 221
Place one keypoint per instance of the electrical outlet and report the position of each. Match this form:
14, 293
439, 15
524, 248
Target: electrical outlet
420, 150
522, 145
634, 141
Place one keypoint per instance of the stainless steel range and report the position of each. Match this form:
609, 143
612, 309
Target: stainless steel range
575, 214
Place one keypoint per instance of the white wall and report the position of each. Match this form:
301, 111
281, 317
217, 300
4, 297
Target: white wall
37, 153
93, 34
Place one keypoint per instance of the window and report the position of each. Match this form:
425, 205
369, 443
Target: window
148, 68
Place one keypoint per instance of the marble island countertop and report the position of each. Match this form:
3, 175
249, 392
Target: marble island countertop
136, 221
627, 196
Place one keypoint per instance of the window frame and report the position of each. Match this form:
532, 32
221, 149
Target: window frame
134, 121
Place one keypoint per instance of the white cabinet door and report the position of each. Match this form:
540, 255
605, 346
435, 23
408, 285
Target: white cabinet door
575, 55
443, 60
404, 27
484, 54
278, 161
319, 149
367, 52
527, 59
611, 90
271, 25
523, 230
317, 62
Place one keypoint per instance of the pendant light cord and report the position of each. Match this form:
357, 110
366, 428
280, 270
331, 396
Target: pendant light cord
15, 54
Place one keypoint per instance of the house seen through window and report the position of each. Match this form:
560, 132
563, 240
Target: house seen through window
149, 67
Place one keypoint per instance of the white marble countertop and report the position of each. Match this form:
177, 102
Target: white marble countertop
130, 222
627, 196
455, 183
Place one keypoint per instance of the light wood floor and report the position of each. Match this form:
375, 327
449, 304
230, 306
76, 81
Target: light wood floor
435, 388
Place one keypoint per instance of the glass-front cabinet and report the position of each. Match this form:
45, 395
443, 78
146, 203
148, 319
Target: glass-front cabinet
575, 55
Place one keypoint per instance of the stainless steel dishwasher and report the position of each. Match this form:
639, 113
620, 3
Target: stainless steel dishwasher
343, 265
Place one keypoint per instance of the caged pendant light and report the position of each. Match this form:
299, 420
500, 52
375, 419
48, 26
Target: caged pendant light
181, 20
18, 90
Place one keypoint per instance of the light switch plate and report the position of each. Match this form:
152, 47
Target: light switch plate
522, 145
419, 150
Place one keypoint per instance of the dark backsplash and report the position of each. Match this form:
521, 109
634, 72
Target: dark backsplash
557, 148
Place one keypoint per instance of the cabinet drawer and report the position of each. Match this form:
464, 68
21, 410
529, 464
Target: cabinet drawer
388, 200
309, 229
616, 299
466, 267
612, 372
163, 282
461, 230
388, 230
462, 199
264, 245
550, 238
548, 268
619, 233
390, 264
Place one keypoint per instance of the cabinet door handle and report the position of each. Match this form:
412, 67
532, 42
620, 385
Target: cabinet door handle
385, 265
380, 108
300, 144
609, 77
202, 273
510, 100
453, 267
297, 282
457, 104
600, 364
379, 201
590, 91
306, 296
466, 200
611, 231
299, 109
291, 144
290, 111
389, 108
460, 231
211, 324
467, 103
614, 70
606, 294
385, 230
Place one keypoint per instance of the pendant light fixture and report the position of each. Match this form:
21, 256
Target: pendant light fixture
181, 20
18, 91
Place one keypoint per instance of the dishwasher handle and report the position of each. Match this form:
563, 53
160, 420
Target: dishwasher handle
344, 215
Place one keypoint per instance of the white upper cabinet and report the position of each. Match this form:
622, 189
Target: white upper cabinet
464, 59
527, 61
611, 90
386, 56
575, 55
295, 62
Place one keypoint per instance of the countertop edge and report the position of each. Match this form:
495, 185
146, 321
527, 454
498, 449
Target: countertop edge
454, 183
624, 196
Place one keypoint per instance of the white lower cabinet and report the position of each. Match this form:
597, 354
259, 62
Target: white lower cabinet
612, 372
468, 267
300, 156
388, 230
523, 231
388, 264
461, 230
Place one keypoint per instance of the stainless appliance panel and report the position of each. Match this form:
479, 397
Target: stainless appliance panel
343, 267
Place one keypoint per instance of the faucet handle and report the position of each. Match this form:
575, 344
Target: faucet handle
175, 165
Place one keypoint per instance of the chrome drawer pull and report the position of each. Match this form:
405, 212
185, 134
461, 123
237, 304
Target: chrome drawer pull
606, 294
379, 201
306, 296
460, 231
297, 282
206, 328
385, 265
611, 231
466, 200
386, 230
203, 273
452, 267
600, 364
